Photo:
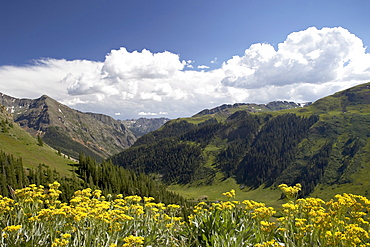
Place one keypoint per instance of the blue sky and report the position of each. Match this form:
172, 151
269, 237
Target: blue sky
197, 54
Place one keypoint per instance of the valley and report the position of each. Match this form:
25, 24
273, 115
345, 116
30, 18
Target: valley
247, 147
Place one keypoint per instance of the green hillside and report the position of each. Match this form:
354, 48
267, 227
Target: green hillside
14, 140
323, 146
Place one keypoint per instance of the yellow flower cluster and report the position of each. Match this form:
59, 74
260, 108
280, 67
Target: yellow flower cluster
12, 228
342, 221
229, 194
90, 219
291, 192
271, 243
131, 241
63, 241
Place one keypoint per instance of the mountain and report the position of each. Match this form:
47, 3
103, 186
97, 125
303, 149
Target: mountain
17, 142
26, 160
68, 130
324, 146
142, 126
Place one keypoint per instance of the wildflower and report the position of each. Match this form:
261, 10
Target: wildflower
263, 213
170, 225
229, 194
12, 228
290, 192
133, 198
271, 243
133, 241
61, 241
173, 206
148, 199
267, 226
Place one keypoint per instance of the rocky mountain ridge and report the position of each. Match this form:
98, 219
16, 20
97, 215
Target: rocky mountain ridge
67, 129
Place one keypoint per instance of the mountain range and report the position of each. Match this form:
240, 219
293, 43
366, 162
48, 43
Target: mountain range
74, 132
324, 146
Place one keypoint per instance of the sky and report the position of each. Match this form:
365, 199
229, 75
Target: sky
169, 58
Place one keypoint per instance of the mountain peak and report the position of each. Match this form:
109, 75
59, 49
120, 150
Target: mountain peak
72, 131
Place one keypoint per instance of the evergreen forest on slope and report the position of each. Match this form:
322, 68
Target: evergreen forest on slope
324, 146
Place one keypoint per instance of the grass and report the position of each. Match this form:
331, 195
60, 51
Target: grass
197, 120
22, 145
270, 196
210, 152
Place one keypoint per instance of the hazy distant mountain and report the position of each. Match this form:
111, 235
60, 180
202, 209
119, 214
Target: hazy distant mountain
143, 126
69, 130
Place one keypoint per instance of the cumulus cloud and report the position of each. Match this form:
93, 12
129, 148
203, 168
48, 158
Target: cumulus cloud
141, 65
308, 65
310, 56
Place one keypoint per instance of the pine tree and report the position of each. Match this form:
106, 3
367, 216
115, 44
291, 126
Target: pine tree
40, 141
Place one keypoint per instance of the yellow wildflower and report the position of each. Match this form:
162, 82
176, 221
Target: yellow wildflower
12, 228
133, 241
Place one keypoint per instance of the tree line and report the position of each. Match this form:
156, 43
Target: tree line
105, 176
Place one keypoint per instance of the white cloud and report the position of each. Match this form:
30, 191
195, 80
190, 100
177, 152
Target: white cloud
310, 56
152, 113
308, 65
147, 114
203, 67
189, 64
43, 77
140, 65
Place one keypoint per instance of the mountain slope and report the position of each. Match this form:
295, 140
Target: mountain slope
16, 141
321, 145
69, 130
25, 160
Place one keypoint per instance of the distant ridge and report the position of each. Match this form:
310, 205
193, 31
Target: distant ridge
250, 107
143, 126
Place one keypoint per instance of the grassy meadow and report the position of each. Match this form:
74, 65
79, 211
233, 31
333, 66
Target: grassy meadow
21, 144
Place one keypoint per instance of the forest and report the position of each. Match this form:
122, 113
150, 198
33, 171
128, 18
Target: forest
104, 176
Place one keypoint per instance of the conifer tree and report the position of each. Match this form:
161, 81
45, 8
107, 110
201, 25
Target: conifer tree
40, 141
